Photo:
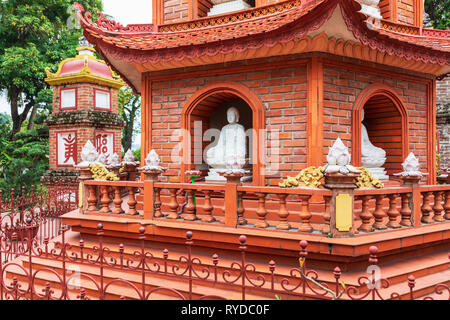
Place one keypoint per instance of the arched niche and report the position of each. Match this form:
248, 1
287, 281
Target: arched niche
209, 105
386, 120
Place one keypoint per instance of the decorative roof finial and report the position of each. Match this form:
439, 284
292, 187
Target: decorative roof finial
85, 47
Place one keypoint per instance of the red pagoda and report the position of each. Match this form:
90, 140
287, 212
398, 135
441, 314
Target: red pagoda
323, 114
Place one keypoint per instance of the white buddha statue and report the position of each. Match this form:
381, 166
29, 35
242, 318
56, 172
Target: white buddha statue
230, 151
372, 157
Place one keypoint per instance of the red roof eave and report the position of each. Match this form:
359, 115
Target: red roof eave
150, 45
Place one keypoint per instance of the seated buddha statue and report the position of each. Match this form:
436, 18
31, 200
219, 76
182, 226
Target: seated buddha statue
230, 150
372, 157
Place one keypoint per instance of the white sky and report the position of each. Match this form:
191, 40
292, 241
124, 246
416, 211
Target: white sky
126, 12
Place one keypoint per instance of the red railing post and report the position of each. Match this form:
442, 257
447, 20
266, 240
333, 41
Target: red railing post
29, 251
302, 260
411, 285
142, 241
189, 243
100, 258
63, 253
272, 274
231, 204
149, 199
373, 260
243, 248
337, 275
215, 259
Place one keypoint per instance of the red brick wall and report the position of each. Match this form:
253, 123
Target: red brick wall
175, 10
385, 8
282, 92
85, 96
405, 11
341, 87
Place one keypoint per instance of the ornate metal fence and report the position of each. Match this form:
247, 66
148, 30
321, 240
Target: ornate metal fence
37, 211
47, 273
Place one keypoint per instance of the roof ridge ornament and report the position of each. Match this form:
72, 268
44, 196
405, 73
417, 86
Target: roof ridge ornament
109, 24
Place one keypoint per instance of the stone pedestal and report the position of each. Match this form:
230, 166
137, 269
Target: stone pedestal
233, 177
410, 181
443, 179
85, 174
151, 174
341, 204
375, 167
131, 170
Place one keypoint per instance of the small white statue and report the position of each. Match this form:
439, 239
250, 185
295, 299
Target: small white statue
152, 162
230, 151
89, 155
372, 157
411, 167
370, 8
338, 159
113, 160
129, 158
103, 159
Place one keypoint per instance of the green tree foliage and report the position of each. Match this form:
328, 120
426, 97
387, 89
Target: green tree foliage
129, 110
35, 34
23, 160
439, 12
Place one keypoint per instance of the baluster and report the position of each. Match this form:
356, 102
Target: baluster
305, 215
173, 205
283, 213
105, 200
132, 202
447, 205
158, 213
327, 215
117, 201
240, 210
438, 208
261, 212
208, 207
405, 211
426, 208
366, 216
190, 206
92, 199
393, 212
379, 213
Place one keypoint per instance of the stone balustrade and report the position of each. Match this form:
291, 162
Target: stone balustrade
269, 208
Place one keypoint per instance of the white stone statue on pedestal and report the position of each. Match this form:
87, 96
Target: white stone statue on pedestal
230, 151
89, 155
372, 158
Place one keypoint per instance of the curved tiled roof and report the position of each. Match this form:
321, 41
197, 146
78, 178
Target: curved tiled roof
257, 27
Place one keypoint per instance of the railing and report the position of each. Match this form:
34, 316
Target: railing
196, 279
402, 207
307, 210
38, 210
285, 203
104, 197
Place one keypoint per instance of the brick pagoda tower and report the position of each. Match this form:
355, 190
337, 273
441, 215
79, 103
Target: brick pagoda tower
85, 107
